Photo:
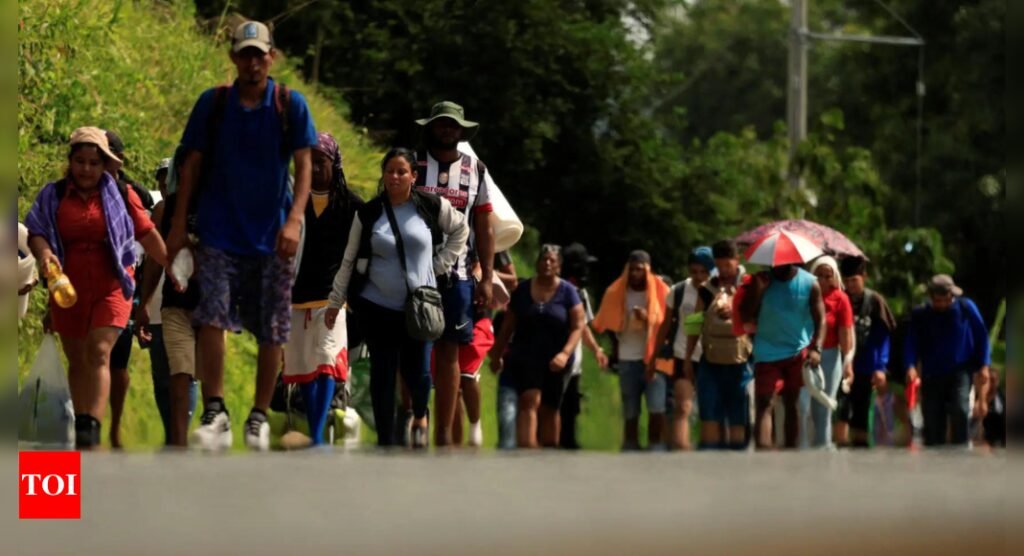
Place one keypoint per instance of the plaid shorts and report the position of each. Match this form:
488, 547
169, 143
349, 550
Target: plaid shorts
250, 292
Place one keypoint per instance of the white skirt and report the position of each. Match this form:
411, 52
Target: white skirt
312, 349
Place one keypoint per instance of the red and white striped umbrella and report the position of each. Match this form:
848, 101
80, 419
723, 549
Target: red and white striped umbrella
781, 248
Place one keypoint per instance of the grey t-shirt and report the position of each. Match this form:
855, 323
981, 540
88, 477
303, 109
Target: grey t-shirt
385, 286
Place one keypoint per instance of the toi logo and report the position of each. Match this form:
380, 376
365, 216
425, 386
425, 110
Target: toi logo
49, 485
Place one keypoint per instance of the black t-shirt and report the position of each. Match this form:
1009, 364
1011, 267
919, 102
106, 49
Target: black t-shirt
542, 329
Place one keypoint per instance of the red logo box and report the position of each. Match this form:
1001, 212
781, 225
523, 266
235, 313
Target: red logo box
49, 485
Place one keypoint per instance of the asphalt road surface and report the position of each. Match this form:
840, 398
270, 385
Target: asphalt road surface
488, 503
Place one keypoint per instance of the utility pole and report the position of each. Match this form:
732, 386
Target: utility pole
796, 92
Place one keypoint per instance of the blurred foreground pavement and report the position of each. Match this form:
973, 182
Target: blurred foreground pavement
367, 502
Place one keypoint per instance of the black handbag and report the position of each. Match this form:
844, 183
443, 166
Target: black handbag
424, 314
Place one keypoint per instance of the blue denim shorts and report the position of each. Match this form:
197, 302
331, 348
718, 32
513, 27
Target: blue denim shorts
633, 387
722, 393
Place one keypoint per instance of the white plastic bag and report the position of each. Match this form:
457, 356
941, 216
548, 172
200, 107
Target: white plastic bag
46, 416
814, 381
507, 226
183, 266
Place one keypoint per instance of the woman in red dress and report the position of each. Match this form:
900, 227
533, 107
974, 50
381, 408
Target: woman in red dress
84, 225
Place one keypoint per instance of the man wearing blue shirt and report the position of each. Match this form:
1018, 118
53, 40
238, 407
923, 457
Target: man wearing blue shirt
948, 340
241, 140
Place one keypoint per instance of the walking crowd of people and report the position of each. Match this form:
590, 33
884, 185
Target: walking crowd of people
257, 229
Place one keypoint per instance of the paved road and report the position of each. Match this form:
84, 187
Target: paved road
494, 504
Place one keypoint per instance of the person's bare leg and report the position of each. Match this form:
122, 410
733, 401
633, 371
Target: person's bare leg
710, 434
119, 383
526, 419
548, 422
457, 428
471, 398
98, 346
681, 416
211, 361
841, 433
446, 390
791, 403
180, 388
78, 362
737, 436
268, 364
763, 423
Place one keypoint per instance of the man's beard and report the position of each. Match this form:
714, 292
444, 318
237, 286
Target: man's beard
437, 144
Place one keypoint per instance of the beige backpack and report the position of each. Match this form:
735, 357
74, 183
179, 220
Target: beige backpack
720, 345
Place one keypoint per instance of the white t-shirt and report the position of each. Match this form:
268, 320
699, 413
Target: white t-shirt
588, 315
460, 183
688, 306
633, 339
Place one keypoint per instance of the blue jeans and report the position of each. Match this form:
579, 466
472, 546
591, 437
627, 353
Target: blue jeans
820, 416
508, 401
633, 387
162, 380
945, 401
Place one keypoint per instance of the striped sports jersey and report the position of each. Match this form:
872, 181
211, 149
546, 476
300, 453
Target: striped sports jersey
462, 183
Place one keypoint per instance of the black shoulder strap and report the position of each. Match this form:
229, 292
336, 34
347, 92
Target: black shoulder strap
282, 104
216, 117
399, 244
429, 207
677, 299
868, 305
706, 296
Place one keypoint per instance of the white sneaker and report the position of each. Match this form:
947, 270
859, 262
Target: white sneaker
476, 435
214, 431
257, 432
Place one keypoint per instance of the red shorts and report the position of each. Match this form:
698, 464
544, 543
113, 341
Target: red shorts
472, 355
780, 377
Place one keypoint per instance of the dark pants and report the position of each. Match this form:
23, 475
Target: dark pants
569, 411
945, 406
162, 380
393, 351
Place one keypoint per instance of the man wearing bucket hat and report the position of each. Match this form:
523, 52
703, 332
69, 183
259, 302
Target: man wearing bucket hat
459, 177
242, 139
947, 346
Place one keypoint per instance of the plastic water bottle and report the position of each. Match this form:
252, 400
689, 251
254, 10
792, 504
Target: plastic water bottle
60, 286
183, 266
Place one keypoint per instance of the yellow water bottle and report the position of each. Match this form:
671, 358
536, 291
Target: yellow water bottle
60, 286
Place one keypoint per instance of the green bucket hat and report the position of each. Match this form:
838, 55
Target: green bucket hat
448, 109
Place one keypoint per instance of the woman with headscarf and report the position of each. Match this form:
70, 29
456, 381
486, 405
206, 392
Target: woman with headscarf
84, 226
836, 352
680, 302
316, 357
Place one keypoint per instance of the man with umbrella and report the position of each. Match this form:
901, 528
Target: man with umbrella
786, 304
